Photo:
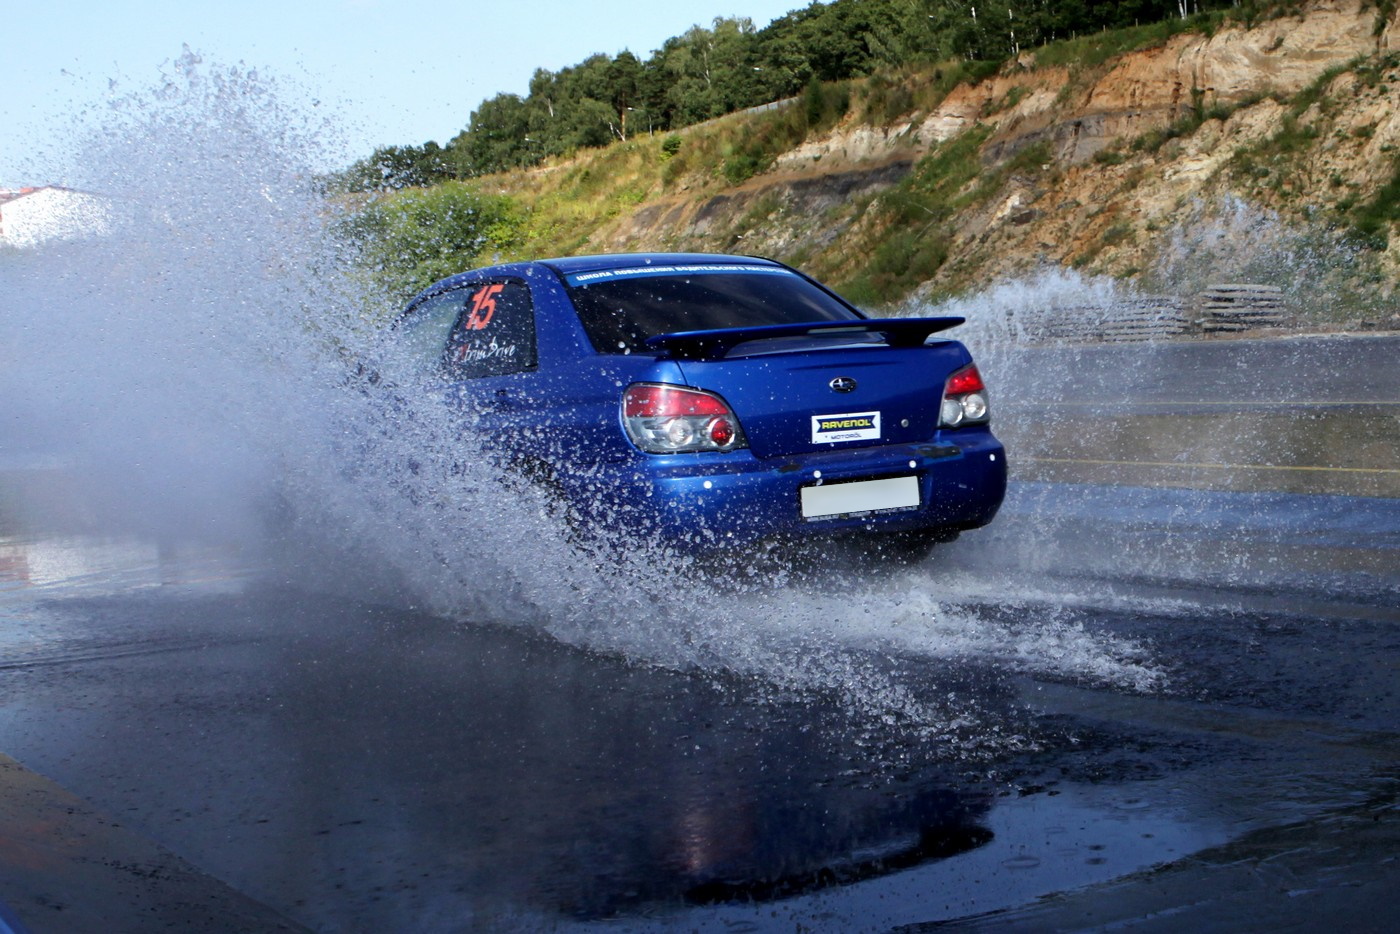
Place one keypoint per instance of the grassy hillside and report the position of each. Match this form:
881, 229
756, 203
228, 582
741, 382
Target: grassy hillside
937, 180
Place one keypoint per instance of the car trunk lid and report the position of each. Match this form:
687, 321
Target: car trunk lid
853, 395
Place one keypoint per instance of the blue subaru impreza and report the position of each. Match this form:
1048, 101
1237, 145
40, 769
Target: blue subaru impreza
714, 399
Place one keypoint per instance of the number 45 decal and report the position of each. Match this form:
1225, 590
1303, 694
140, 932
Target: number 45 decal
483, 307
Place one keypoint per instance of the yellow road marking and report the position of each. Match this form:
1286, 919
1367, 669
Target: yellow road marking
1109, 463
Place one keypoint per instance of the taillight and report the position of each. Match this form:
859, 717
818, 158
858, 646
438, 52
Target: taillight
964, 399
665, 419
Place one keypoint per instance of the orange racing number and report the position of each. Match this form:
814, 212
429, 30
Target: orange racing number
483, 307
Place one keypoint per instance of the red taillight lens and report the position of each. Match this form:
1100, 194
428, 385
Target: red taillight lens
664, 419
964, 399
963, 381
653, 400
722, 431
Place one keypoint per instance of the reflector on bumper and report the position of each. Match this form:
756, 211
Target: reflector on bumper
842, 499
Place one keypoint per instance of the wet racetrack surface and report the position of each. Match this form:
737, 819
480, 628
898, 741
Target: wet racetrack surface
358, 766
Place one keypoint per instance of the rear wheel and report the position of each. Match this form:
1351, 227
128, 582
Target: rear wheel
532, 476
917, 544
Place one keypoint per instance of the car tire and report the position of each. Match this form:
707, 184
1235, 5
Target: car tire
916, 545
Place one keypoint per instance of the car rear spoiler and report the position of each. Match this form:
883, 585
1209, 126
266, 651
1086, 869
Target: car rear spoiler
714, 345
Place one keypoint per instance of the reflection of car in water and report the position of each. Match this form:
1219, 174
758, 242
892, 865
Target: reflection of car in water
714, 398
706, 795
488, 777
801, 845
706, 811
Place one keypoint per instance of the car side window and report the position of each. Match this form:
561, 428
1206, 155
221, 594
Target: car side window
423, 332
494, 331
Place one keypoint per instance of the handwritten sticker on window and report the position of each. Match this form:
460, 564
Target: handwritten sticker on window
495, 332
483, 307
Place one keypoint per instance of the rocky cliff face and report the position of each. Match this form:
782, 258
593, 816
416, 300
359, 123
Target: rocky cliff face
1091, 167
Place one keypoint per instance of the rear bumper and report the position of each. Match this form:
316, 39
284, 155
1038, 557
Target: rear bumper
711, 499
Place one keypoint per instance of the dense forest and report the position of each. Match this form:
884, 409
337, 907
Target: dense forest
731, 65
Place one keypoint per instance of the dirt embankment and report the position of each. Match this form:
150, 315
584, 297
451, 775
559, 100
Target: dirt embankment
1123, 153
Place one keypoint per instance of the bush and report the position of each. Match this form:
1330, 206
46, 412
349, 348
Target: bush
412, 239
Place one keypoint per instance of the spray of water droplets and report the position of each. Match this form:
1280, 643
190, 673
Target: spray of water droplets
200, 368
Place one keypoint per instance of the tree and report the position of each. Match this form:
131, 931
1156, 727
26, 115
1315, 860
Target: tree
391, 168
494, 140
624, 85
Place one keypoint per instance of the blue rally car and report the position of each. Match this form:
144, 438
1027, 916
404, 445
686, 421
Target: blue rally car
714, 399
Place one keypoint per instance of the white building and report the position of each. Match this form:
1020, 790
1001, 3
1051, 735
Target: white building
30, 216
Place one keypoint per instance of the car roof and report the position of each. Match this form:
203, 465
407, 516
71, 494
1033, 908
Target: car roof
569, 265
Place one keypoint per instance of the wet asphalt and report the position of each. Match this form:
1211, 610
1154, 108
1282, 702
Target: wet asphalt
194, 744
294, 758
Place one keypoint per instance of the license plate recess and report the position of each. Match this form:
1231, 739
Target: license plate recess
858, 497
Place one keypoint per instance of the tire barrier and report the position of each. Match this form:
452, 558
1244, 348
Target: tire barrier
1232, 308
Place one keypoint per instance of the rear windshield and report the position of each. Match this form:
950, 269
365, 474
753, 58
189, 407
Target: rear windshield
621, 309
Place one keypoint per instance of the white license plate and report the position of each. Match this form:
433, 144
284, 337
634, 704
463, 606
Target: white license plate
840, 499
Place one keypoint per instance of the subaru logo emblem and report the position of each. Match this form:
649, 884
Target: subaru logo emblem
843, 384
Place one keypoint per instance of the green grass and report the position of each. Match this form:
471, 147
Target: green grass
1373, 220
910, 243
1191, 121
1098, 49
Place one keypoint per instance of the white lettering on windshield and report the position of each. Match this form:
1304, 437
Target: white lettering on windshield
583, 278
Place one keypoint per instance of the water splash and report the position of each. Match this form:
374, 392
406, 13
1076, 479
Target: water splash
1328, 279
1012, 312
198, 373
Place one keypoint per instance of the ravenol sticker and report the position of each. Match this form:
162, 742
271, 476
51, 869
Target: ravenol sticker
853, 426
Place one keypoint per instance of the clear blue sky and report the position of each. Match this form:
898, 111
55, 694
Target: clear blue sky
393, 71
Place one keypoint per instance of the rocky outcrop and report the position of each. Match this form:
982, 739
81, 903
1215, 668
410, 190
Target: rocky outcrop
1214, 96
1141, 91
1151, 89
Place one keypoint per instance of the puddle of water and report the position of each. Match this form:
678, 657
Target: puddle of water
495, 775
506, 779
1041, 844
91, 565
